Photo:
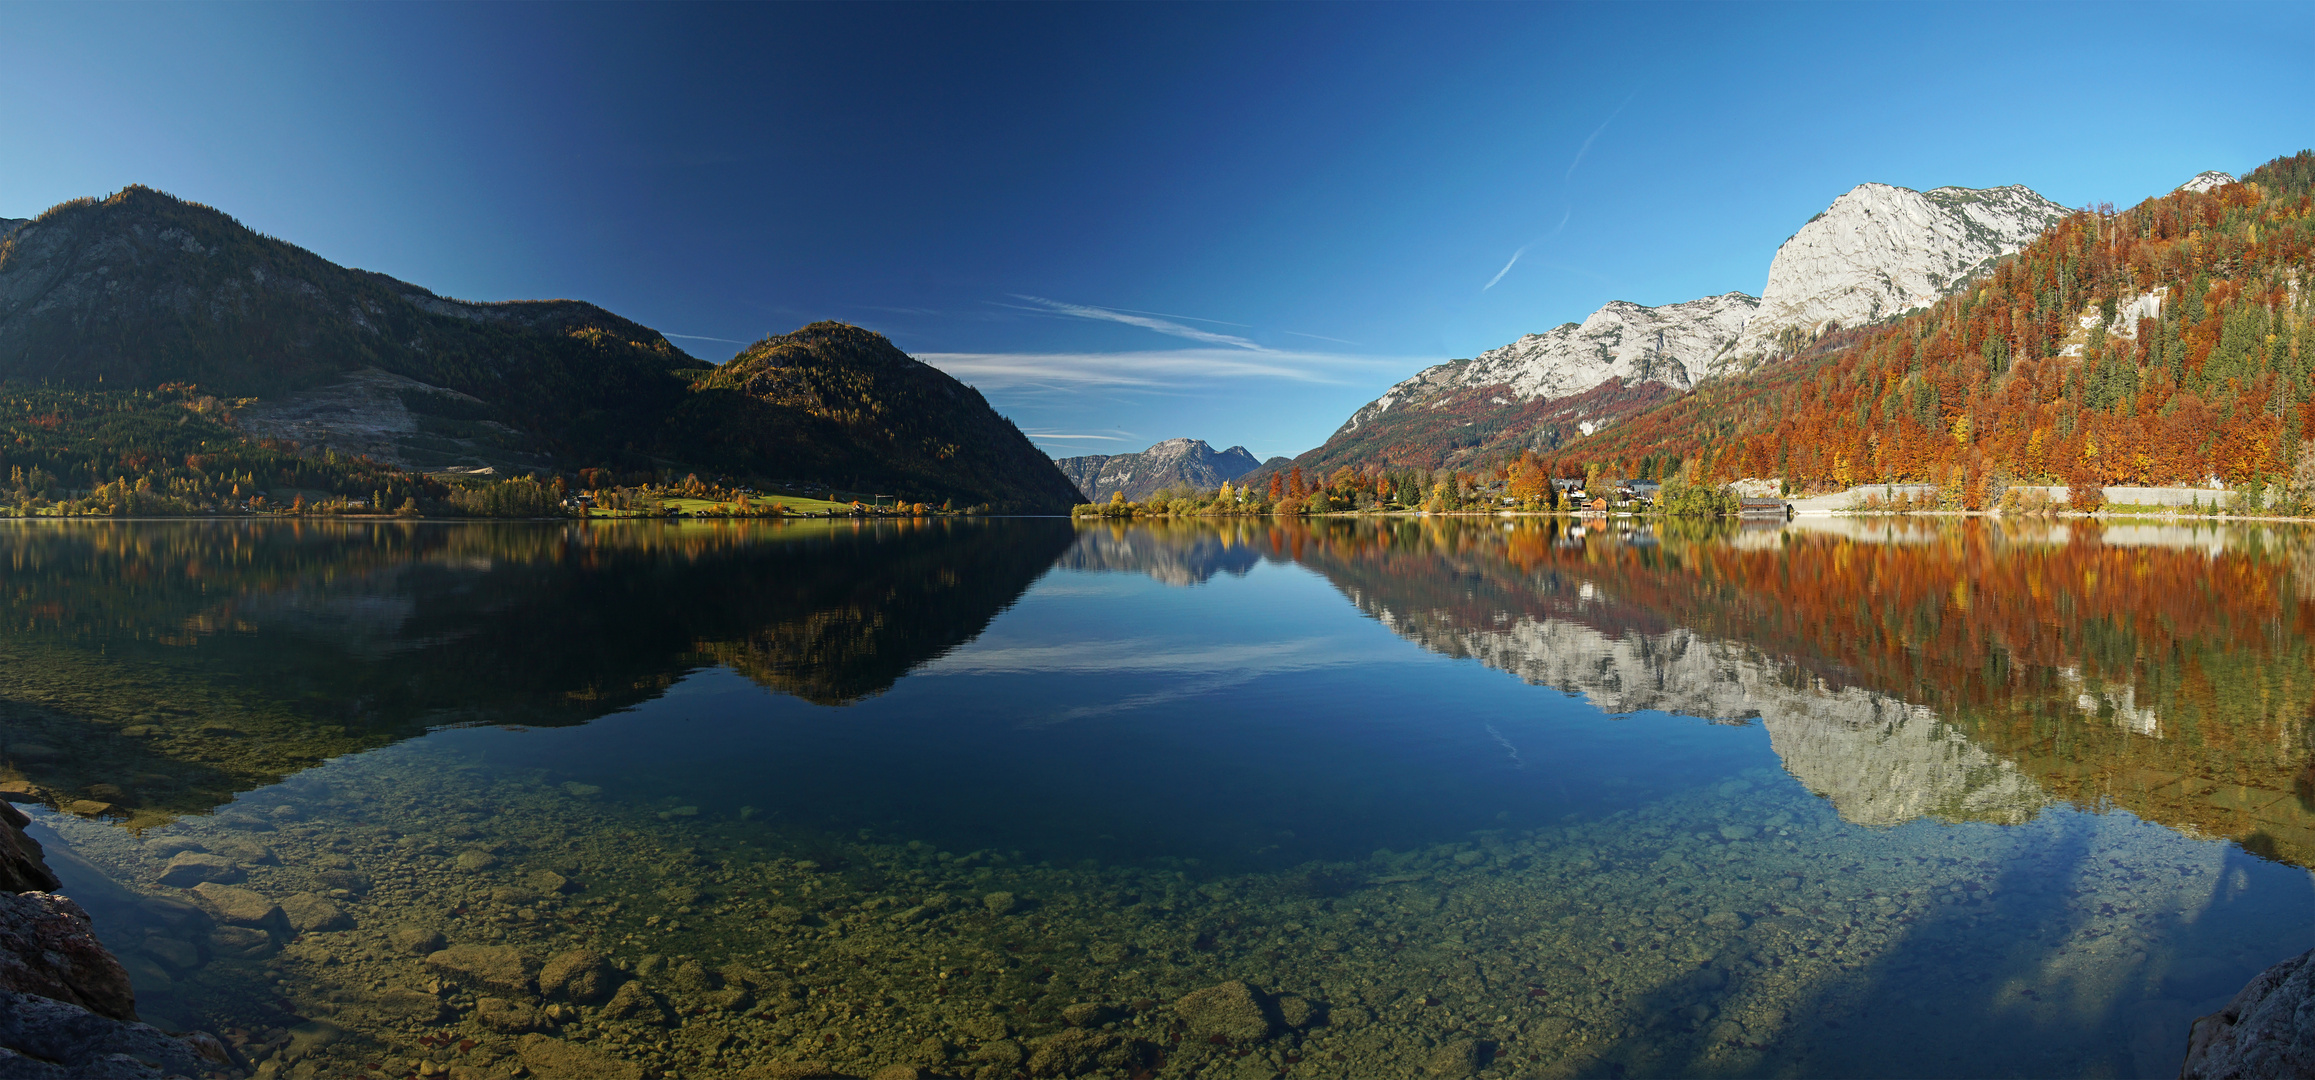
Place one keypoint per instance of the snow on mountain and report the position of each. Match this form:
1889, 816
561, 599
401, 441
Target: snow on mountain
1881, 250
2206, 180
1671, 345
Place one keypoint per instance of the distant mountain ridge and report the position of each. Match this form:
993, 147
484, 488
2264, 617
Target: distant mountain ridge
1172, 463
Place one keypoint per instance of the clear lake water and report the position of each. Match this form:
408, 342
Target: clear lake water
996, 798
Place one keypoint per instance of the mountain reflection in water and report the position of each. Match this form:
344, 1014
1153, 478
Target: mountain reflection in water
162, 667
1800, 800
1970, 671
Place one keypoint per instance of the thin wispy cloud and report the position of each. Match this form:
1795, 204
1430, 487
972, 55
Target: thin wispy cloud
1523, 249
1506, 268
1587, 146
1191, 318
1195, 668
1320, 337
702, 337
1057, 435
1156, 370
1146, 322
1152, 656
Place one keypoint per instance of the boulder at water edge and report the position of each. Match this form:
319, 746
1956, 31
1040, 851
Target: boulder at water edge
2268, 1030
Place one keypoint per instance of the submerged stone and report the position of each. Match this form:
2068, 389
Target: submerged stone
583, 976
308, 913
415, 940
243, 907
240, 942
508, 1017
554, 1059
632, 1002
498, 967
1457, 1058
1232, 1010
1076, 1051
189, 868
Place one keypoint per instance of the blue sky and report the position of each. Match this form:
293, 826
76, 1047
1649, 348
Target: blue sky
1123, 223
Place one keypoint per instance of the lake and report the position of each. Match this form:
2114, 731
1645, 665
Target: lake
1492, 797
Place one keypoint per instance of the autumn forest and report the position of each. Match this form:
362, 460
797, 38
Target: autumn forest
2169, 343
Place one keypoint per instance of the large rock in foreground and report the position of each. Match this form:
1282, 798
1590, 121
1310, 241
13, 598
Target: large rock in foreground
47, 949
22, 868
41, 1039
2268, 1030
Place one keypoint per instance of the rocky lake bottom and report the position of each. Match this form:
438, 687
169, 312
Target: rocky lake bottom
415, 912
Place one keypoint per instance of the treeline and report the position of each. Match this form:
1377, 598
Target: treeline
1524, 484
2171, 343
173, 451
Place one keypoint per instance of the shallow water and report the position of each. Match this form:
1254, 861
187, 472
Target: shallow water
1493, 798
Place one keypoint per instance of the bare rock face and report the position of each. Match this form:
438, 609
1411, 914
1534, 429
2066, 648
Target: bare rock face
2206, 180
1881, 250
47, 949
2268, 1030
44, 1039
21, 865
1172, 463
1673, 345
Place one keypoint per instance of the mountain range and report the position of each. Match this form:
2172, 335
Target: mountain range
1186, 463
141, 290
1876, 251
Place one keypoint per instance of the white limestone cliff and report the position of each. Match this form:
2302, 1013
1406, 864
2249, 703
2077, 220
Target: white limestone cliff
1172, 463
1671, 345
2206, 180
1879, 251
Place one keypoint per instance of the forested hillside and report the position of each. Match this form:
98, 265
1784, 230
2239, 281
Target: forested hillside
138, 333
141, 289
2164, 344
842, 405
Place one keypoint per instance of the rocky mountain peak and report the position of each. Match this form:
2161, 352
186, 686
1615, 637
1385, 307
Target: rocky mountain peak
2203, 181
1171, 463
1671, 344
1880, 250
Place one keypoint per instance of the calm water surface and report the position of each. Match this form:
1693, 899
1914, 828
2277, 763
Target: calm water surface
990, 798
